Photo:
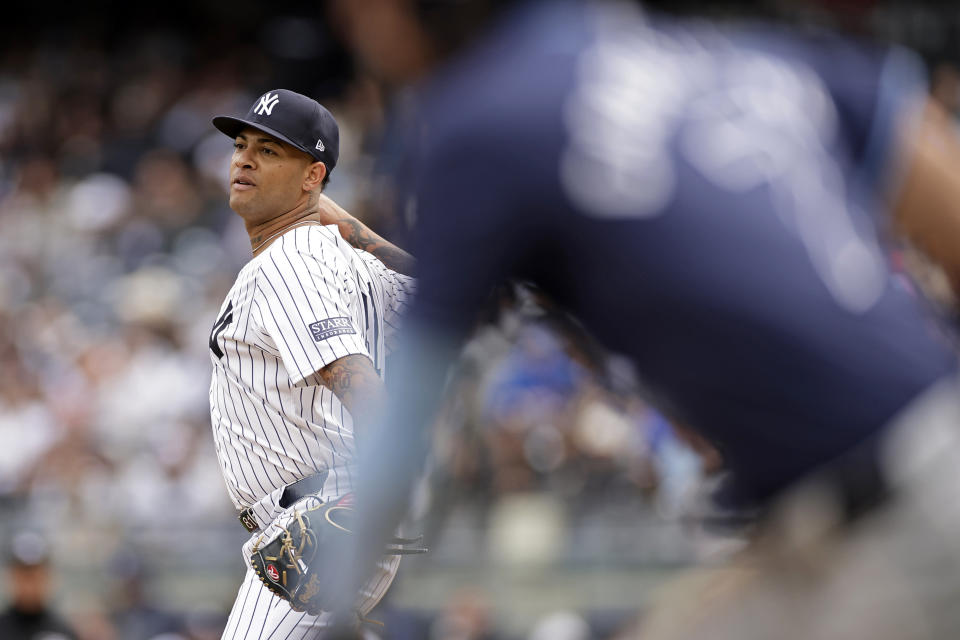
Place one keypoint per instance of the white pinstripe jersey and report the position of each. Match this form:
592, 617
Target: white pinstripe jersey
306, 301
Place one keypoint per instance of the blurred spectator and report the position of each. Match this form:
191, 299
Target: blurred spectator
30, 615
134, 615
466, 616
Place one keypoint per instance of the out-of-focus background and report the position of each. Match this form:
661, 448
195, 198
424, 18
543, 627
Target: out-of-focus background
558, 500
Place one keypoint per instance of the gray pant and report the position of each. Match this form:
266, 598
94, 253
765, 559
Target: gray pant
810, 574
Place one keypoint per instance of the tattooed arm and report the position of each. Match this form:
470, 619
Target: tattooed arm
361, 237
355, 381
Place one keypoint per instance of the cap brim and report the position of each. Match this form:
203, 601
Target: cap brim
233, 126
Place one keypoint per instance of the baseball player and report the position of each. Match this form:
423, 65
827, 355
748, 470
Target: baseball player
299, 344
707, 204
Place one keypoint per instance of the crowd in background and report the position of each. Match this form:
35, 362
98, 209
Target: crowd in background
116, 248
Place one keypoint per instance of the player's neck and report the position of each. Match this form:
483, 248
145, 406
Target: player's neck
263, 234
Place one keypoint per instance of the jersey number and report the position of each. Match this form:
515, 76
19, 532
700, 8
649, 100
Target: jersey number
225, 319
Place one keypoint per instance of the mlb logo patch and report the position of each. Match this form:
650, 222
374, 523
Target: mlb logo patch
323, 329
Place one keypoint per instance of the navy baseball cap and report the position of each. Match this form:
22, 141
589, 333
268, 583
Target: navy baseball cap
294, 118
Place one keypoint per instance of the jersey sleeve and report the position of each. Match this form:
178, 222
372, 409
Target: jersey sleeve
901, 91
304, 305
874, 88
398, 294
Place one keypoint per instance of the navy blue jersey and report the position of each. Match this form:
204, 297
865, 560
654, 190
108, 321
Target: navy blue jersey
705, 202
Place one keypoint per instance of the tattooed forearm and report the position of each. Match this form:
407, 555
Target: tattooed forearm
362, 237
355, 381
357, 234
395, 258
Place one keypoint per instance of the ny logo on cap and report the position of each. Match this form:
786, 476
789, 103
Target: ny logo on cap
267, 102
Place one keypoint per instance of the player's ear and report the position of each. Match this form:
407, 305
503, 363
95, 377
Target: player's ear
316, 172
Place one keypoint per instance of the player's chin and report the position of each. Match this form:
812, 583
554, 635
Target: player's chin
242, 201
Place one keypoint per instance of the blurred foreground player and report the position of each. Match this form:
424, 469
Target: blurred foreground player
708, 204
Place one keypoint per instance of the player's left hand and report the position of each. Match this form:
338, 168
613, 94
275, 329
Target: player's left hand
285, 557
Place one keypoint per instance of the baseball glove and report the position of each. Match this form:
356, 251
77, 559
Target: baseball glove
283, 557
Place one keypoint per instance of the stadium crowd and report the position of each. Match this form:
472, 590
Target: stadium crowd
116, 246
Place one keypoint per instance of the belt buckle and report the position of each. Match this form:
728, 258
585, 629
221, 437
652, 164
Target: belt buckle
248, 520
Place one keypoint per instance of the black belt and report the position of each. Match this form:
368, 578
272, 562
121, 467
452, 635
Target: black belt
311, 485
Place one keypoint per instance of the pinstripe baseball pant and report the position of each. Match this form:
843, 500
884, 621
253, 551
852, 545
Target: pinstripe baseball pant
258, 614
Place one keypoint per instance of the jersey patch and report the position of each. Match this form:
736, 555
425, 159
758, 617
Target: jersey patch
323, 329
